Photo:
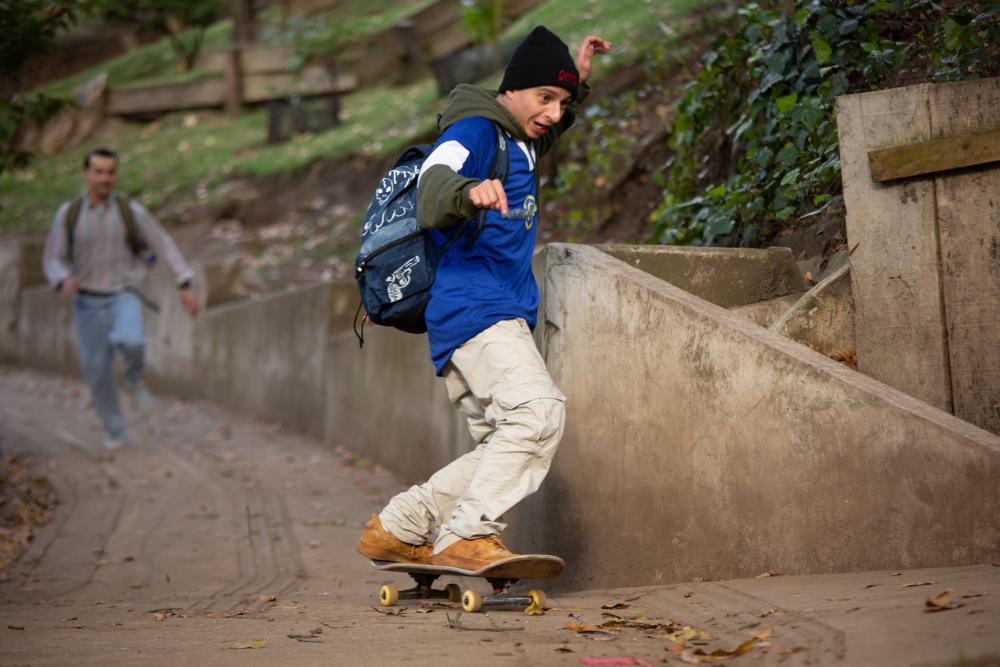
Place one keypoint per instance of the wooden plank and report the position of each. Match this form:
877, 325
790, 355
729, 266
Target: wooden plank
969, 229
259, 59
254, 58
312, 81
937, 155
445, 42
895, 265
199, 94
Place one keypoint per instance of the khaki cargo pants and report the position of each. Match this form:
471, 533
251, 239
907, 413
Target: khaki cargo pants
499, 381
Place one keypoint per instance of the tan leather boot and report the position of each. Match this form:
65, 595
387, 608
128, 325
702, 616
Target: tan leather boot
378, 543
473, 554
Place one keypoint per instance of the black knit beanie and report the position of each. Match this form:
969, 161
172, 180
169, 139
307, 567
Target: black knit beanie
542, 59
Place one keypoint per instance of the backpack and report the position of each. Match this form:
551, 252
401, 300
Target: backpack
398, 259
135, 242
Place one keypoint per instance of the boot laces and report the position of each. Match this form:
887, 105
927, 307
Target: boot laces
496, 542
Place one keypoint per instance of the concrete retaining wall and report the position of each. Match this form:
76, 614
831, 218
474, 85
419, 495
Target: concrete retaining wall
701, 445
698, 443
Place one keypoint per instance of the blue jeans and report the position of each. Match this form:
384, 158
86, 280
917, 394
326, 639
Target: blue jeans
103, 325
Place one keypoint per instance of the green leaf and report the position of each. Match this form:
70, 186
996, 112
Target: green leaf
787, 102
848, 26
821, 47
784, 213
790, 177
718, 227
787, 155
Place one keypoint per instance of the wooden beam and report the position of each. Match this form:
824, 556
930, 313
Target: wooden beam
930, 157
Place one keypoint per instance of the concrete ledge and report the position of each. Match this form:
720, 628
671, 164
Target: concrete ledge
700, 445
823, 318
765, 313
727, 277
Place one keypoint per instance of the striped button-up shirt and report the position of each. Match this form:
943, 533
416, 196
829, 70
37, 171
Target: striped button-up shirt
102, 260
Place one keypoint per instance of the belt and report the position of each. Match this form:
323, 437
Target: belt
90, 292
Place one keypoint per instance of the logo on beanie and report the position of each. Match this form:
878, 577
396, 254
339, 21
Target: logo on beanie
568, 77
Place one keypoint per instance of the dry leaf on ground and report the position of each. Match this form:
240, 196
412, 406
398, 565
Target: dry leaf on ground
941, 602
253, 643
390, 611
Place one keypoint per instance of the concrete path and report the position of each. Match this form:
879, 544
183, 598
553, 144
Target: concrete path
216, 530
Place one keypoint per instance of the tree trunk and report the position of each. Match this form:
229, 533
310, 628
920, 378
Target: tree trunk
244, 21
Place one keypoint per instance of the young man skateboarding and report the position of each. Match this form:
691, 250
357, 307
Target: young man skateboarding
483, 305
94, 256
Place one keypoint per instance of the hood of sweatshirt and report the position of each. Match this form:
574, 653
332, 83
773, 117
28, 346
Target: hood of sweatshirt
466, 101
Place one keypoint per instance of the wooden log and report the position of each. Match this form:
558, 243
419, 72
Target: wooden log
260, 59
936, 155
199, 94
313, 80
254, 58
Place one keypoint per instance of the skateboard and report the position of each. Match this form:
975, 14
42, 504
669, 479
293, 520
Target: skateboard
500, 575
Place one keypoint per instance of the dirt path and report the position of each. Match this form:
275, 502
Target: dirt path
216, 530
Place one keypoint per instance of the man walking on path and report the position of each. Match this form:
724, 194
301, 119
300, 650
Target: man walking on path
95, 255
483, 306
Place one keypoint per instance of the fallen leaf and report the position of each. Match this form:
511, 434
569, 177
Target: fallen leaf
564, 649
614, 661
15, 627
264, 597
390, 611
253, 643
913, 585
581, 627
764, 575
973, 595
941, 602
617, 605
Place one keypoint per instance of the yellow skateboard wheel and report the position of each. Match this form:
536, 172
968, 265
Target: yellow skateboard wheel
472, 601
454, 592
537, 598
388, 595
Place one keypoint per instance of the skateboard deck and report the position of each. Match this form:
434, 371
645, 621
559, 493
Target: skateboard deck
501, 575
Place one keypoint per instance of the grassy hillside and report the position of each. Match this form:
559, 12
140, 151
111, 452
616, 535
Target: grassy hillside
185, 155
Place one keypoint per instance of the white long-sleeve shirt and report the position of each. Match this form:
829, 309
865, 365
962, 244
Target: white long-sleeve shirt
102, 260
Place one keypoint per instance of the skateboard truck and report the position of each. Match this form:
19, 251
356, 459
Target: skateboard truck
499, 574
472, 601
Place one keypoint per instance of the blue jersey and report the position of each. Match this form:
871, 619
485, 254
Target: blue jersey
490, 281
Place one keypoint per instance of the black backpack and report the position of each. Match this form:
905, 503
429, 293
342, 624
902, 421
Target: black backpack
398, 259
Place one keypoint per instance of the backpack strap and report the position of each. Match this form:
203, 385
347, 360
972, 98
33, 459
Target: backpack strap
72, 215
498, 172
132, 237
